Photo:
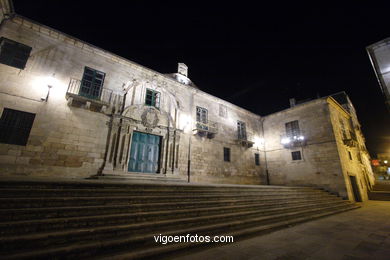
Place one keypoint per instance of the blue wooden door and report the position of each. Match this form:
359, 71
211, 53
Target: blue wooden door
144, 153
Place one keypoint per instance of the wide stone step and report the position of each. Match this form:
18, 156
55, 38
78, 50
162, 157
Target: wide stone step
141, 242
19, 192
32, 226
6, 203
379, 195
174, 248
61, 212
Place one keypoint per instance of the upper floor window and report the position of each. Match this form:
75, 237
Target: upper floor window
13, 53
296, 155
201, 115
241, 130
257, 159
152, 98
15, 126
222, 110
292, 129
343, 130
92, 83
226, 154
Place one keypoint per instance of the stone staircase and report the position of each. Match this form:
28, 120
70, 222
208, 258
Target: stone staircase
94, 219
380, 191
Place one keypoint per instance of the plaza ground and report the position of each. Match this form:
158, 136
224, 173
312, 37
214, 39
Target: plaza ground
358, 234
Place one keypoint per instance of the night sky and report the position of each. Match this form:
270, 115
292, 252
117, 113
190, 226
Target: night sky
256, 57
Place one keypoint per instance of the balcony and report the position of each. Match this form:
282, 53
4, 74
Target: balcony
95, 98
289, 141
209, 129
243, 140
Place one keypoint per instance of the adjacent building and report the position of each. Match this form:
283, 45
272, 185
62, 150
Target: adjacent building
379, 54
70, 109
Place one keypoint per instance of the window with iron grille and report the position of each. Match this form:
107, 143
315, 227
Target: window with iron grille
226, 154
14, 53
292, 129
257, 159
296, 155
201, 115
152, 98
15, 126
92, 83
241, 130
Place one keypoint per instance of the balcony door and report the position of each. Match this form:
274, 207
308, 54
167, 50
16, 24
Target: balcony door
92, 83
144, 153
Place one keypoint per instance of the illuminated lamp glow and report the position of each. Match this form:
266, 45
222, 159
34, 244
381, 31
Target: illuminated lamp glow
285, 140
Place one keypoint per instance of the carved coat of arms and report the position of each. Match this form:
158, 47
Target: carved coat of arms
150, 118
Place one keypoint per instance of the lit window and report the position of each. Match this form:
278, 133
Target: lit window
152, 98
92, 83
296, 156
13, 53
257, 159
241, 130
226, 154
15, 126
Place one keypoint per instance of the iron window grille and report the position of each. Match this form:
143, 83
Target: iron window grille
14, 53
226, 154
92, 83
257, 159
201, 115
15, 126
296, 156
152, 98
241, 130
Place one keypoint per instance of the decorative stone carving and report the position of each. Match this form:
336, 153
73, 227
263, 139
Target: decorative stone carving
150, 118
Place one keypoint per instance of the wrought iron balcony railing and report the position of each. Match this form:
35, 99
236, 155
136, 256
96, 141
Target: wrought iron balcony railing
291, 141
210, 128
94, 94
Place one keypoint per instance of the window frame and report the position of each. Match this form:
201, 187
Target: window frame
15, 126
154, 100
226, 154
292, 129
241, 130
293, 158
257, 159
202, 115
13, 53
91, 85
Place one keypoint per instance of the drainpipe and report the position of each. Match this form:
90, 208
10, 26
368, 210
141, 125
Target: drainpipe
265, 152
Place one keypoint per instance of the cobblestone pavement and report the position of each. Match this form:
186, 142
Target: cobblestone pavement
358, 234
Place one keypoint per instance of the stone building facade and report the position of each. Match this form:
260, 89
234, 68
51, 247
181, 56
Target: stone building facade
70, 109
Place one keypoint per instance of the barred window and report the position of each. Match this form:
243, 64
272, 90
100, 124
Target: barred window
152, 98
15, 126
14, 53
92, 83
296, 155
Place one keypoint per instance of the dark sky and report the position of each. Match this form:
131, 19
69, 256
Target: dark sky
255, 56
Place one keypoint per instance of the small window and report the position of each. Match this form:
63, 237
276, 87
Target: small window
222, 111
257, 159
241, 130
226, 154
292, 129
296, 156
13, 53
92, 83
15, 126
201, 115
152, 98
350, 155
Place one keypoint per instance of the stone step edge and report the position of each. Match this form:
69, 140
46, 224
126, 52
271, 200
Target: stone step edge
216, 215
52, 252
191, 207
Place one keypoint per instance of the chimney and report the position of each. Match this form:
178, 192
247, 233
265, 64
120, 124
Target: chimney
182, 69
292, 102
